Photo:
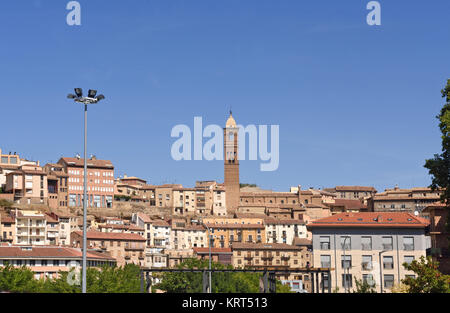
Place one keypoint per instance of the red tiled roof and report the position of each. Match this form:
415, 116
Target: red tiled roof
7, 219
90, 163
356, 188
92, 235
349, 204
198, 250
370, 219
263, 246
47, 252
302, 242
228, 226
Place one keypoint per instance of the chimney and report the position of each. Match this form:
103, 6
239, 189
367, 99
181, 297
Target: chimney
379, 218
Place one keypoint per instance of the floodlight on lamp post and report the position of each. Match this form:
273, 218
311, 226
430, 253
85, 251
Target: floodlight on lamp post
78, 97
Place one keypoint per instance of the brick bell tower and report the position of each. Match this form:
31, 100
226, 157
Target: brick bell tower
231, 165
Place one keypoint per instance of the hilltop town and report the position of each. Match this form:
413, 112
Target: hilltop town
353, 231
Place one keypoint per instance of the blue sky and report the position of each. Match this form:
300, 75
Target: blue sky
356, 104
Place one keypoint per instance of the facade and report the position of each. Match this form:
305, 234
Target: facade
100, 184
437, 214
10, 163
187, 236
218, 255
46, 261
352, 192
269, 256
231, 165
7, 228
284, 230
412, 200
124, 247
28, 184
369, 246
52, 230
228, 231
57, 184
185, 201
31, 227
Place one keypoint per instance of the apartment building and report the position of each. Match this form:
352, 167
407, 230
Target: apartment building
67, 224
218, 255
227, 231
7, 228
49, 261
412, 200
31, 227
57, 184
284, 230
268, 256
187, 236
10, 163
178, 256
28, 185
369, 246
124, 247
184, 201
52, 230
347, 205
352, 192
437, 214
100, 184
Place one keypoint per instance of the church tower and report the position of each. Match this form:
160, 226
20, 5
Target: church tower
231, 165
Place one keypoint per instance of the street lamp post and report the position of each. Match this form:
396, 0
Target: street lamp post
209, 244
91, 98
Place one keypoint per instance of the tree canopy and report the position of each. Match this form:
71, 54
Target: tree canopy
186, 282
439, 166
428, 278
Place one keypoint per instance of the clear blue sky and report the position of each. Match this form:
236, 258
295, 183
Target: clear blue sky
356, 104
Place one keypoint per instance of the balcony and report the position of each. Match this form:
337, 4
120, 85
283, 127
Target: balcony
285, 257
267, 256
248, 257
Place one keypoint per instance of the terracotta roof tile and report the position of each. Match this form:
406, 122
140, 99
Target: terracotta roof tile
370, 219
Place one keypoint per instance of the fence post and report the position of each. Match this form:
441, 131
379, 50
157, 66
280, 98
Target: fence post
205, 282
142, 280
266, 281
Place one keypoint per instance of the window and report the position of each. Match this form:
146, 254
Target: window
408, 243
346, 243
366, 262
409, 259
347, 280
368, 278
388, 281
366, 243
388, 262
325, 261
324, 243
346, 261
387, 243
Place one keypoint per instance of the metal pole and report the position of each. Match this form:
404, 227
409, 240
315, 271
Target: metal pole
210, 239
84, 203
381, 270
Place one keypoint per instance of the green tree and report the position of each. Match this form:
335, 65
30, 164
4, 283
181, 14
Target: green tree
439, 166
17, 279
189, 282
428, 278
362, 286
